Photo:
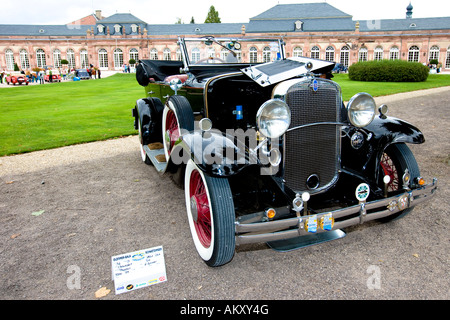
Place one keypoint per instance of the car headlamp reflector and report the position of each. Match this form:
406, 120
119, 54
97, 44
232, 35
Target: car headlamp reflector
273, 118
361, 109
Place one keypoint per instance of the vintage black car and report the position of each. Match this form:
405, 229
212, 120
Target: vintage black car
269, 152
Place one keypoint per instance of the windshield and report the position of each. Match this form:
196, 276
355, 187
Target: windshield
210, 50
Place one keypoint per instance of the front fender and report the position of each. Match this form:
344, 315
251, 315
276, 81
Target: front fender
390, 130
214, 152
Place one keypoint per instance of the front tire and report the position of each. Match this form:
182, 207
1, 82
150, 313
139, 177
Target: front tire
395, 160
211, 215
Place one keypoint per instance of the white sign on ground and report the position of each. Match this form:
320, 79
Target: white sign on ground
139, 269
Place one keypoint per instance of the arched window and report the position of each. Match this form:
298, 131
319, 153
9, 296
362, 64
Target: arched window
315, 52
253, 55
153, 54
195, 55
447, 59
40, 58
84, 59
101, 28
378, 54
166, 54
329, 53
134, 54
394, 53
9, 55
413, 54
266, 54
179, 56
134, 28
224, 54
24, 61
211, 53
434, 53
362, 54
345, 53
298, 52
71, 58
103, 58
117, 28
118, 59
57, 58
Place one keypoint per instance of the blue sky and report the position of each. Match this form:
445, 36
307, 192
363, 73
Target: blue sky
230, 11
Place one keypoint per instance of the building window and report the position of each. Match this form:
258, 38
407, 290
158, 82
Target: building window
253, 55
329, 53
413, 54
71, 58
24, 61
117, 28
345, 53
266, 54
434, 53
362, 54
298, 52
179, 56
378, 54
118, 58
9, 55
394, 53
211, 53
40, 58
315, 52
195, 55
166, 54
153, 54
101, 28
134, 54
447, 59
134, 28
57, 58
84, 59
224, 54
103, 59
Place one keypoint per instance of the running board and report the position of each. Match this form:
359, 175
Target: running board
155, 155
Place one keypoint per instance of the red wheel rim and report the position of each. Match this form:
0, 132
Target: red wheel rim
200, 205
172, 129
390, 170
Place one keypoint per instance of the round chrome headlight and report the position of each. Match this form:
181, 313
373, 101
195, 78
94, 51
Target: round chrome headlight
361, 109
273, 118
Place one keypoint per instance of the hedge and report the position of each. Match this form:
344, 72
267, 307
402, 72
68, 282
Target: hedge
388, 71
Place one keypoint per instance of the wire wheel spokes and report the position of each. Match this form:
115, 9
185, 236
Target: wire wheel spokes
389, 169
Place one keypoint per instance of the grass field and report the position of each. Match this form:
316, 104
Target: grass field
53, 115
49, 116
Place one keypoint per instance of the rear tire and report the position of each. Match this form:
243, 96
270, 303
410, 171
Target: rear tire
210, 210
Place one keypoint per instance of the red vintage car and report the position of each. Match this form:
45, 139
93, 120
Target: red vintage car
16, 78
56, 77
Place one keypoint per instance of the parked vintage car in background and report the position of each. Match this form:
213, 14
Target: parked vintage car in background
15, 78
56, 76
83, 74
269, 152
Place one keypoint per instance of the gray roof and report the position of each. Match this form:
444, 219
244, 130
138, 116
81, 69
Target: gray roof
301, 11
194, 29
122, 18
43, 30
409, 24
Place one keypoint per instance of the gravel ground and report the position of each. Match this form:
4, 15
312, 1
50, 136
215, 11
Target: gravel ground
100, 200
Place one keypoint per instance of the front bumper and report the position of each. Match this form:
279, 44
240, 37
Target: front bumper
267, 231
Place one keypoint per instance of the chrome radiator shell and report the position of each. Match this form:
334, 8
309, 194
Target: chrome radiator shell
311, 160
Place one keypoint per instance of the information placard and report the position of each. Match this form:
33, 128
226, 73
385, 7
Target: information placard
139, 269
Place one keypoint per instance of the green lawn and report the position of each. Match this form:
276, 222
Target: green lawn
59, 114
350, 88
49, 116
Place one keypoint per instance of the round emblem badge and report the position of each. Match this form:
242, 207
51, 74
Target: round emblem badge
362, 192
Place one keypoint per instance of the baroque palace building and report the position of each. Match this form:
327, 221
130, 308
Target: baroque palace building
316, 30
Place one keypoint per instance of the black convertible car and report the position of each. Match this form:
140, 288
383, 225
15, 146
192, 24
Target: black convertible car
269, 152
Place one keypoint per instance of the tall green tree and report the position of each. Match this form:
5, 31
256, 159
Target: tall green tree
213, 16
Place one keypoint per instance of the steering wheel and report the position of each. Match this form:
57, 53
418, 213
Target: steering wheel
210, 59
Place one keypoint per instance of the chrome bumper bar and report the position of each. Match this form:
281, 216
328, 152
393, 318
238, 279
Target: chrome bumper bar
258, 232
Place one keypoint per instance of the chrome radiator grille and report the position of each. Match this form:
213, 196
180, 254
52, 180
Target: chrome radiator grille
311, 161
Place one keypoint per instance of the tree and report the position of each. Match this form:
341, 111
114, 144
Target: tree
213, 16
192, 20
